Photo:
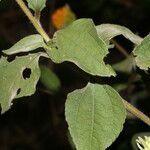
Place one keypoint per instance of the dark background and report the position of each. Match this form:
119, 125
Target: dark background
38, 122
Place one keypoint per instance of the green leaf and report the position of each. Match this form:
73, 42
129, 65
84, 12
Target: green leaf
49, 79
80, 44
109, 31
95, 115
26, 44
18, 78
36, 5
142, 53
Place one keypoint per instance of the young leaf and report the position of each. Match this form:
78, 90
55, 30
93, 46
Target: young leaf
18, 78
26, 44
49, 79
142, 53
109, 31
36, 5
95, 115
80, 44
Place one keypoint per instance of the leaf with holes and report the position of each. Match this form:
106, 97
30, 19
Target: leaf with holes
142, 53
109, 31
95, 115
18, 78
26, 44
36, 5
80, 44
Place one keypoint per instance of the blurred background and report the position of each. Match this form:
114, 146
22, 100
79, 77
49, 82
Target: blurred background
38, 122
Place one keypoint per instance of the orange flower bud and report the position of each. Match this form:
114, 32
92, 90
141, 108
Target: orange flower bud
62, 17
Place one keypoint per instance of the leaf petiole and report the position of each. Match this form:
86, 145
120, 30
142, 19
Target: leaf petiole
33, 20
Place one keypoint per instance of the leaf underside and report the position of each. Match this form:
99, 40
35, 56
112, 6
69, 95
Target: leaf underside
109, 31
26, 44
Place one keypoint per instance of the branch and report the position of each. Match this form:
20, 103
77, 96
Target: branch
136, 112
33, 20
120, 48
37, 15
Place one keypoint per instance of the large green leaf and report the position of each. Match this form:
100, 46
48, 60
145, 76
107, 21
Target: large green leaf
18, 78
95, 115
36, 5
109, 31
142, 53
26, 44
80, 44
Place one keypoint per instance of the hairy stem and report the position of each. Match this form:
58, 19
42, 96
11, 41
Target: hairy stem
136, 112
33, 20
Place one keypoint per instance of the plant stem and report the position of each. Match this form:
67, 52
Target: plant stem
136, 112
128, 106
37, 15
120, 48
33, 20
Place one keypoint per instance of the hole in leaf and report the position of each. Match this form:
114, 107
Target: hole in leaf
18, 91
11, 58
26, 73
